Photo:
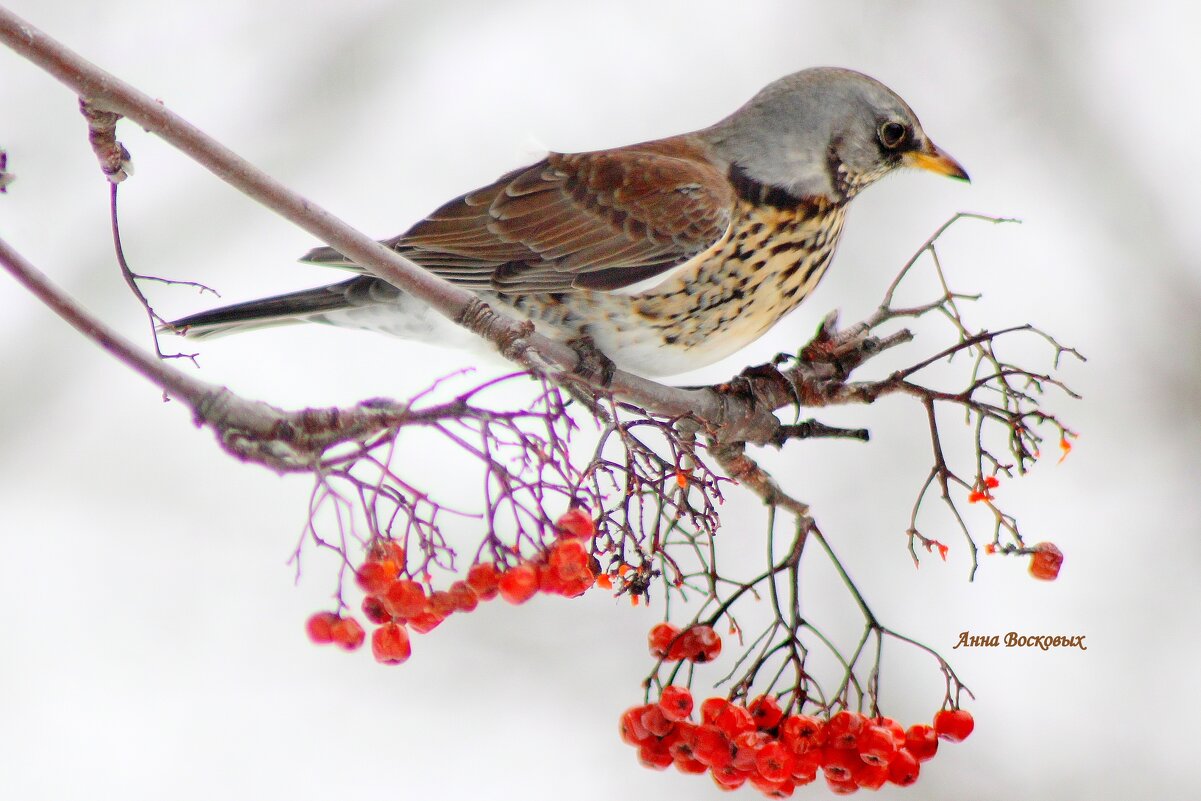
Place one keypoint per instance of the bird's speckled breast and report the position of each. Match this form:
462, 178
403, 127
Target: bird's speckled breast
710, 307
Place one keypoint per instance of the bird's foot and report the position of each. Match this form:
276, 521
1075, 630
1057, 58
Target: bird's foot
592, 366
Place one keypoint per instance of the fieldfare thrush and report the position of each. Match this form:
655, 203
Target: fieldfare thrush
667, 255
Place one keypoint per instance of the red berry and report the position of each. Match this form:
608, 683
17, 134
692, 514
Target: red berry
426, 621
774, 762
632, 730
404, 599
319, 627
518, 584
783, 789
568, 569
683, 739
903, 769
484, 579
390, 644
676, 702
892, 727
954, 724
921, 741
699, 644
655, 722
373, 610
464, 597
841, 786
805, 766
844, 729
766, 711
876, 745
802, 733
653, 755
689, 765
840, 764
347, 633
1046, 561
660, 638
734, 720
747, 746
711, 709
729, 777
374, 577
380, 550
711, 746
871, 777
769, 788
577, 523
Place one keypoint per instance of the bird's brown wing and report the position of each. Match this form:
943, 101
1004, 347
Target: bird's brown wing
601, 220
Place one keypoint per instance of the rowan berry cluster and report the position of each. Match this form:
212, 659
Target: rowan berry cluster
396, 603
776, 752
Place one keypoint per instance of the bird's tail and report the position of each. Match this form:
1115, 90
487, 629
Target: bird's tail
307, 305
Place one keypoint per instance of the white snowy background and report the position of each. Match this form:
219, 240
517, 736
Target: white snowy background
152, 640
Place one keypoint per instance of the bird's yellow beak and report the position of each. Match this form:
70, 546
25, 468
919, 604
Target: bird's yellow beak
932, 159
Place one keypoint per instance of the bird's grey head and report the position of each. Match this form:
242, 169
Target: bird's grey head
825, 132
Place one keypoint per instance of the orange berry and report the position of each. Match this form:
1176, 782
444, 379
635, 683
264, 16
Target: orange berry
1046, 561
384, 549
577, 523
319, 627
518, 584
375, 577
464, 597
484, 579
390, 644
992, 482
347, 633
604, 581
373, 610
426, 621
404, 598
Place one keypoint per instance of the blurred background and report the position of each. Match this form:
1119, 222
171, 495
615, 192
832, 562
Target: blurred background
153, 644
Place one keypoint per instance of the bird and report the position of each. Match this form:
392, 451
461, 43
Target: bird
665, 256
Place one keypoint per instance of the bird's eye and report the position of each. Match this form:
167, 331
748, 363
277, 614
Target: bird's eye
893, 135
